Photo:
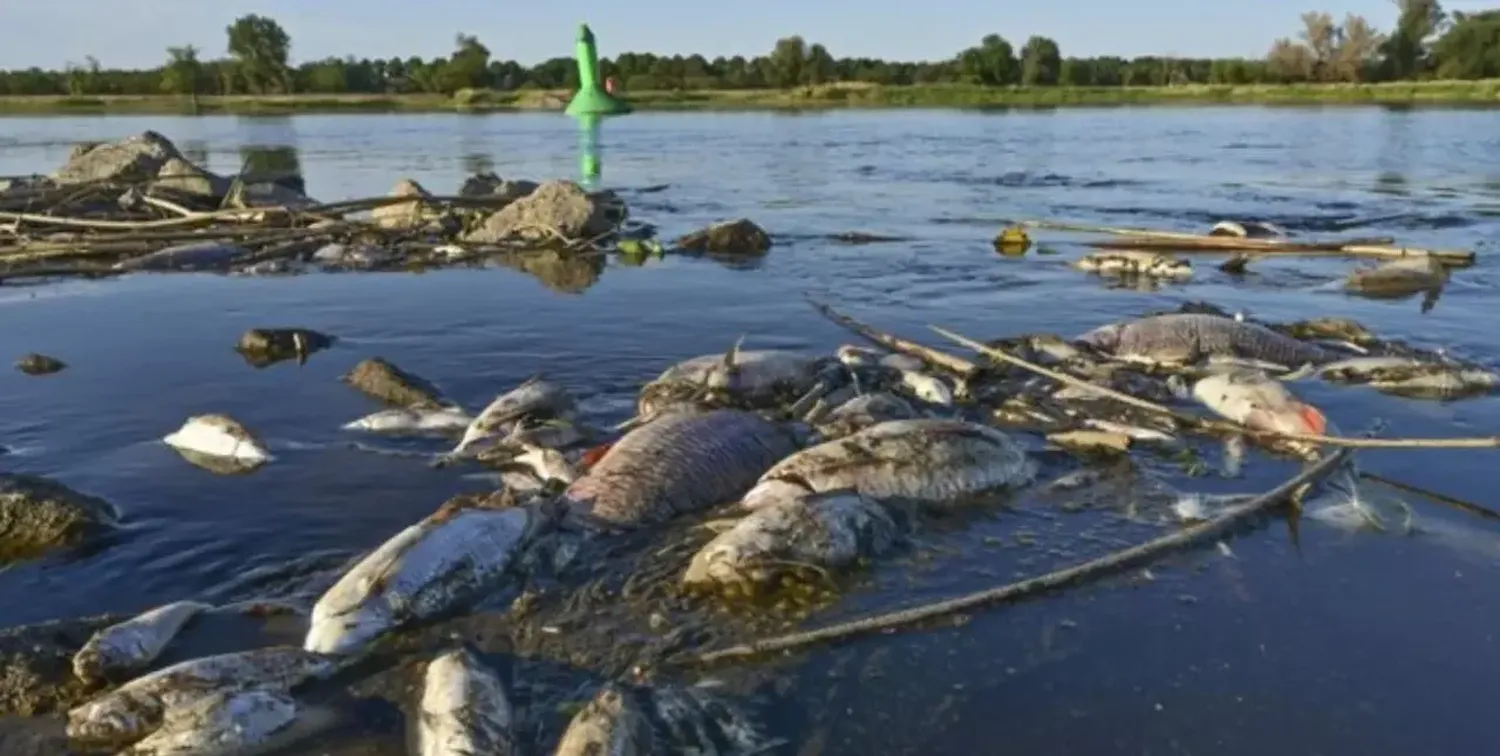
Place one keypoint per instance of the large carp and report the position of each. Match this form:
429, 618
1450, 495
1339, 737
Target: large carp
926, 461
679, 463
1186, 338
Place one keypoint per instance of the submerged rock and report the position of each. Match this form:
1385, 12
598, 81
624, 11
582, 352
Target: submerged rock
39, 364
38, 514
554, 208
736, 237
385, 382
137, 158
265, 346
491, 185
36, 668
404, 214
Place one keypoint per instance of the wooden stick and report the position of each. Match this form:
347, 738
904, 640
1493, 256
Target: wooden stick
1490, 442
1451, 258
947, 361
1451, 501
1191, 535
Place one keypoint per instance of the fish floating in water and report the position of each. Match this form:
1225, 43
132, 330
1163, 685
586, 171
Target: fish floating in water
629, 721
535, 399
133, 710
753, 376
130, 646
445, 561
821, 531
440, 421
676, 464
464, 709
223, 723
928, 461
1412, 377
1258, 402
862, 412
1187, 338
218, 435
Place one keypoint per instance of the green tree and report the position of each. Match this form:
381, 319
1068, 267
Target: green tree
1471, 47
992, 63
260, 48
1359, 43
787, 60
820, 67
468, 66
183, 73
1041, 62
1406, 52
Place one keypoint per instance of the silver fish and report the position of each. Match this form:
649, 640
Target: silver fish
424, 421
1398, 278
131, 711
628, 721
676, 464
217, 435
755, 375
536, 399
928, 461
903, 362
829, 531
226, 723
864, 411
1191, 337
444, 561
133, 644
464, 710
928, 388
1259, 402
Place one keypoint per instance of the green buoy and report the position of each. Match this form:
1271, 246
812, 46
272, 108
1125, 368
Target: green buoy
591, 99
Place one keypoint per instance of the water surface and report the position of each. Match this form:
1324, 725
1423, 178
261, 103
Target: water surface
1333, 643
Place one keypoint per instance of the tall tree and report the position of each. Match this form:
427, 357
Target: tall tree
1359, 43
1041, 62
992, 63
469, 64
1290, 61
1407, 50
1322, 38
819, 67
1471, 48
788, 58
260, 48
183, 72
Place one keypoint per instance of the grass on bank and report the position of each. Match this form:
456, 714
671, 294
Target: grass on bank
1486, 91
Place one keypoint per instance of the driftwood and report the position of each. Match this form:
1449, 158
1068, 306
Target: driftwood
1147, 239
1093, 569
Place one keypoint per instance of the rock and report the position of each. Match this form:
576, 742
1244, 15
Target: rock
206, 255
36, 665
490, 185
39, 364
555, 207
736, 237
405, 214
266, 346
182, 177
137, 158
38, 514
381, 380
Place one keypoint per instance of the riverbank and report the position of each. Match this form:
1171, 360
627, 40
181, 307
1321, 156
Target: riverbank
1481, 92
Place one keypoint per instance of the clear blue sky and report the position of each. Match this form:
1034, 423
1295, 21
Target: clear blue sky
135, 33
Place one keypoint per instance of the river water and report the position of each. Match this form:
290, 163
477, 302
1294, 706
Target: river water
1330, 643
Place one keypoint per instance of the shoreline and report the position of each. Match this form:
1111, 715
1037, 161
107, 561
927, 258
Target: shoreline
1476, 93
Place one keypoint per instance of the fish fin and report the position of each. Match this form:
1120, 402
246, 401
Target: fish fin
732, 357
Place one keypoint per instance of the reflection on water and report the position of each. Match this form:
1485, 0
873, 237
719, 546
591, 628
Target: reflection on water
276, 163
1272, 647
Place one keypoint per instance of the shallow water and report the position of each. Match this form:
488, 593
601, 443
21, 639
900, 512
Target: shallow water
1336, 642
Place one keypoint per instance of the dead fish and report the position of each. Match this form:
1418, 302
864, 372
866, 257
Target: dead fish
542, 464
465, 710
678, 463
218, 435
821, 531
1398, 278
228, 723
1258, 402
1135, 432
1438, 383
1134, 263
852, 356
903, 363
131, 645
631, 721
131, 711
1247, 229
755, 375
418, 421
1187, 338
535, 399
442, 562
928, 388
864, 411
929, 461
191, 256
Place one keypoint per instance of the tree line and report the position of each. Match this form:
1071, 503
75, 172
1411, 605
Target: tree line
1426, 43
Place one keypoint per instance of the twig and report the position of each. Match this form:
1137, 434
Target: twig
168, 205
1456, 503
1488, 442
927, 354
1093, 569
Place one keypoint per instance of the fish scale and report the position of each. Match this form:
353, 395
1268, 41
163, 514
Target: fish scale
677, 464
1190, 337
